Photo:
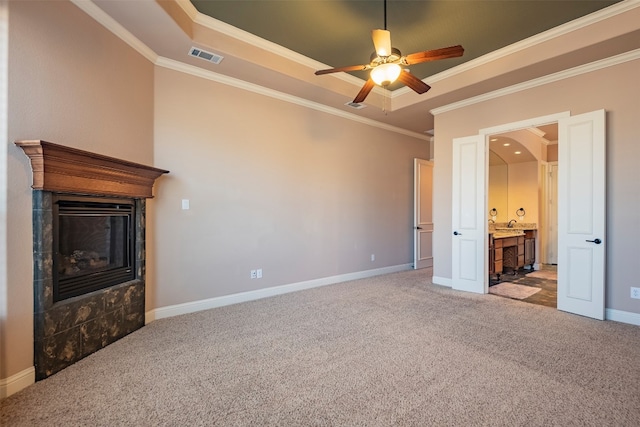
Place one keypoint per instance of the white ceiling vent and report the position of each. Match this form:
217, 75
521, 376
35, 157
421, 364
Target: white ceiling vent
207, 56
355, 105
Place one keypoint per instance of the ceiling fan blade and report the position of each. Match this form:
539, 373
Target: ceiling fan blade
434, 55
364, 91
382, 42
339, 69
413, 82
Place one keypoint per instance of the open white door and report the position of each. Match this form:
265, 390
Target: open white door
423, 220
468, 215
581, 214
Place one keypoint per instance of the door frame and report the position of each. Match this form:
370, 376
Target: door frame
486, 133
423, 230
591, 125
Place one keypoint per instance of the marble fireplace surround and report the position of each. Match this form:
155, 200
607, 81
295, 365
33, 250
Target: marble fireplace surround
69, 330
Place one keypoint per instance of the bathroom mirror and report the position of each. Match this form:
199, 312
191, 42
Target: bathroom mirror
498, 187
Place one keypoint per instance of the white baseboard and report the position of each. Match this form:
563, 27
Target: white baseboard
443, 281
17, 382
622, 316
191, 307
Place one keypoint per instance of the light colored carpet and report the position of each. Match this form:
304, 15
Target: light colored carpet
392, 350
544, 274
513, 290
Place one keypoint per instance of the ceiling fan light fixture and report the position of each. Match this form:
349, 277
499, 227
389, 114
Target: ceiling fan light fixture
385, 74
385, 62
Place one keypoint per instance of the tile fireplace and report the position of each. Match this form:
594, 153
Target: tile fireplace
89, 251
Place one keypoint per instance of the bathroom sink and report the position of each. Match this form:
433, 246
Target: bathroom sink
500, 233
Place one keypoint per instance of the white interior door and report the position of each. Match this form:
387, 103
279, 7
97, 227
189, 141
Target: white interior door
551, 243
469, 268
581, 214
423, 219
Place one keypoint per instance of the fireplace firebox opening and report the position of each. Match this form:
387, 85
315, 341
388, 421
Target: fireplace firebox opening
94, 243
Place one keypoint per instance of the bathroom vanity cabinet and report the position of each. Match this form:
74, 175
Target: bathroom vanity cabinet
530, 247
511, 252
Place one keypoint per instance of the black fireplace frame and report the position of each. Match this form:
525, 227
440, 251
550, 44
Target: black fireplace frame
65, 287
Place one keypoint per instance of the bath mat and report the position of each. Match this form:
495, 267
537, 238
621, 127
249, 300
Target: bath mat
511, 290
544, 274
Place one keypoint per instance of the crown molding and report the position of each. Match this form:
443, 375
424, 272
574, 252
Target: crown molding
568, 27
251, 87
537, 132
527, 123
114, 27
99, 15
551, 78
576, 24
266, 45
246, 37
540, 134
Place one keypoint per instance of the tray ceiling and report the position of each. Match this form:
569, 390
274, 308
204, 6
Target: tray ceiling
338, 32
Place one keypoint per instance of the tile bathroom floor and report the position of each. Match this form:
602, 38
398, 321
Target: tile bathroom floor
548, 284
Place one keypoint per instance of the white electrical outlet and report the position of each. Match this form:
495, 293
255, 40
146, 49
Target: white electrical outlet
373, 257
259, 273
185, 204
254, 274
635, 293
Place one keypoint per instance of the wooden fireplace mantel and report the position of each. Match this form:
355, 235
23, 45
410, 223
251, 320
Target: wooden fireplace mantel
63, 169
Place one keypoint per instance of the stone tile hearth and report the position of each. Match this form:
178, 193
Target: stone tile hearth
68, 330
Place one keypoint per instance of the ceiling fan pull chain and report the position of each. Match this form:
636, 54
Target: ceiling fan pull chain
386, 101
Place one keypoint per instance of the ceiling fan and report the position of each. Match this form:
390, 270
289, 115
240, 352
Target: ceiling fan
386, 63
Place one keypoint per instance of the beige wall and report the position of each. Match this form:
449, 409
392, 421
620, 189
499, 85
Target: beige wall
616, 90
74, 83
299, 193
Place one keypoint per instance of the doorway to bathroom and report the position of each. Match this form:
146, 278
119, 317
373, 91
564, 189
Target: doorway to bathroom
522, 216
581, 209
